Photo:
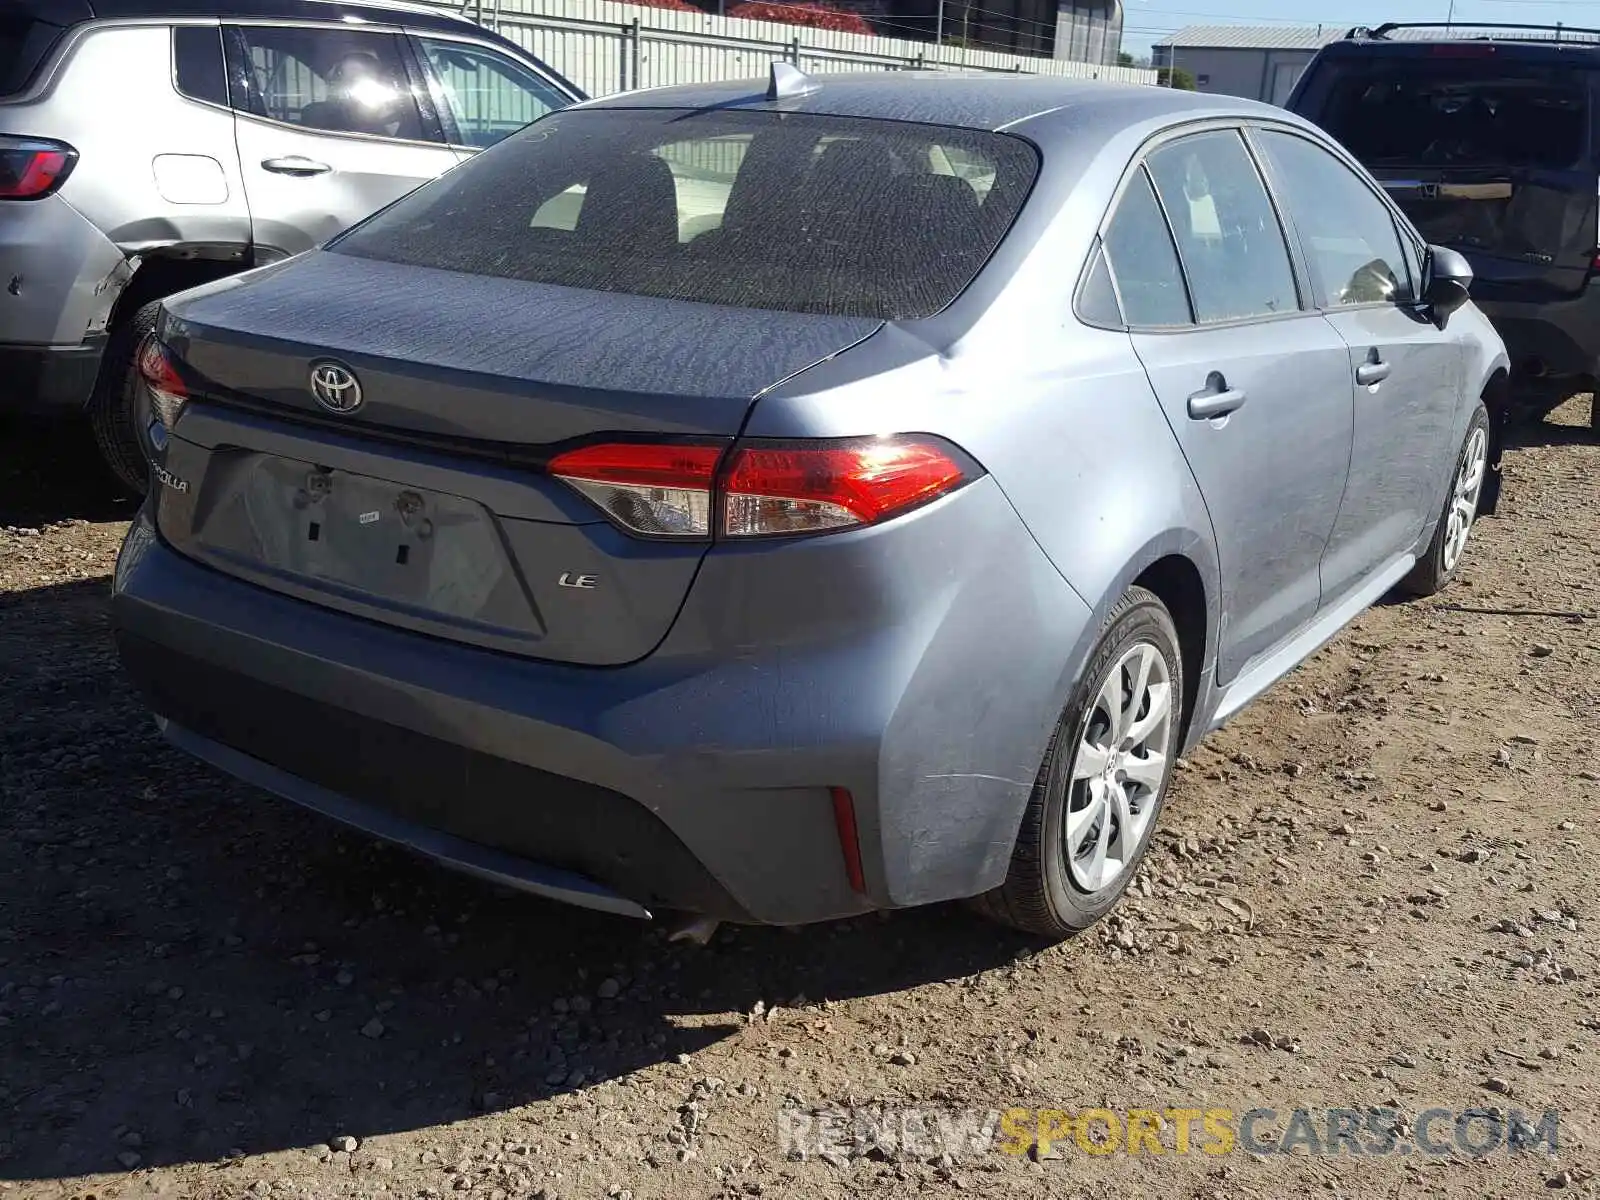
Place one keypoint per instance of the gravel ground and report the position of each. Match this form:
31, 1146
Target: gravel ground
1372, 889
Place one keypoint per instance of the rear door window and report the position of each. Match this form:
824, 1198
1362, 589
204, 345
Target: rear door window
1229, 238
1144, 262
1421, 111
198, 66
796, 212
329, 79
488, 96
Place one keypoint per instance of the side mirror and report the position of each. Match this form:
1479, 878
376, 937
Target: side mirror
1446, 280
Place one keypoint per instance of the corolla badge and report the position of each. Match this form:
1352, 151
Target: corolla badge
335, 387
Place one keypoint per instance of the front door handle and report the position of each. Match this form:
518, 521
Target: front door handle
1372, 372
1216, 399
296, 165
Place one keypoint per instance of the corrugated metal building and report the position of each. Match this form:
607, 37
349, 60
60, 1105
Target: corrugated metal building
1259, 62
1089, 31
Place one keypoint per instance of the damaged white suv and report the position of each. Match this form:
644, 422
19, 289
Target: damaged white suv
147, 146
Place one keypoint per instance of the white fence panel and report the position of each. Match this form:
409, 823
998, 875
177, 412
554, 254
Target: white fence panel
605, 46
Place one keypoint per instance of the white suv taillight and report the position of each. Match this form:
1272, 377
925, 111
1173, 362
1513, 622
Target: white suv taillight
32, 168
763, 489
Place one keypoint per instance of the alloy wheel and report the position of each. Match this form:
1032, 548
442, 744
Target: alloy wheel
1119, 768
1464, 498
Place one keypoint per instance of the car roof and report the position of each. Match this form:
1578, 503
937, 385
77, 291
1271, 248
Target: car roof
968, 100
390, 11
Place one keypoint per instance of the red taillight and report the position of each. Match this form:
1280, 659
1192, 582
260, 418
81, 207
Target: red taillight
662, 491
168, 392
31, 168
808, 489
762, 490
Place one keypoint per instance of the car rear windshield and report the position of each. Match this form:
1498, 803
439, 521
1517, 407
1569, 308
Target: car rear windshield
783, 211
1470, 112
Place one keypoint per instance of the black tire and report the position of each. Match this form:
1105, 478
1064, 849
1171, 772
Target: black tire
117, 412
1040, 896
1432, 573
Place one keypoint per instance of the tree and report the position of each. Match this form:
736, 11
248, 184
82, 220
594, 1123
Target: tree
817, 16
1124, 59
1177, 77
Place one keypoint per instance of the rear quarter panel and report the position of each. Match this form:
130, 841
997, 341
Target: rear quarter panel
1060, 414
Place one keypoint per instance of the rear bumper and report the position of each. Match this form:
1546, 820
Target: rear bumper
1560, 337
696, 779
48, 379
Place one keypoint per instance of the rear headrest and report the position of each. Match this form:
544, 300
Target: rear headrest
632, 204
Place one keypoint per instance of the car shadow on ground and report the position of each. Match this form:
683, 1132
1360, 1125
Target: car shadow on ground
50, 471
1521, 435
190, 967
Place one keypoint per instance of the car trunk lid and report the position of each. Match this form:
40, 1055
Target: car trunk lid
426, 505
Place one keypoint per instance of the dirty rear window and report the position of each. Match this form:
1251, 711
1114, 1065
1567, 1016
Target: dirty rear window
792, 212
1459, 113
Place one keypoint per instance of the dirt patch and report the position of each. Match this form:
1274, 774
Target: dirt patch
1374, 890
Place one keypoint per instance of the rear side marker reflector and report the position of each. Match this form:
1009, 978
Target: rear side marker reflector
762, 489
844, 819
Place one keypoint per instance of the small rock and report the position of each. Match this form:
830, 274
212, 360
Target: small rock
1498, 1085
372, 1029
1473, 855
1402, 1060
903, 1058
383, 1163
608, 989
1566, 826
345, 1144
1540, 650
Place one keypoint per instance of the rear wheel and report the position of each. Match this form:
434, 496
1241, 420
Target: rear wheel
1443, 559
1103, 781
117, 412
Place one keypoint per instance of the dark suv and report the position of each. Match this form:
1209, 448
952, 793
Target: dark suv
1484, 134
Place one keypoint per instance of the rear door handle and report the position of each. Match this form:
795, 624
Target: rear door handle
295, 165
1372, 372
1216, 399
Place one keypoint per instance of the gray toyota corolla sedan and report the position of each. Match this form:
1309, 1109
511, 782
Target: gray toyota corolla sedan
780, 501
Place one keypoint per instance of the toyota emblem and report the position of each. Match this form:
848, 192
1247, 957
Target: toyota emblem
335, 387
